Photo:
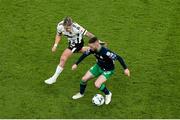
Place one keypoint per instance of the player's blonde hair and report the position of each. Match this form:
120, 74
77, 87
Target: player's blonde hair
67, 21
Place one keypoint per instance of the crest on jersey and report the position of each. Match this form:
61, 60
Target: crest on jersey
111, 55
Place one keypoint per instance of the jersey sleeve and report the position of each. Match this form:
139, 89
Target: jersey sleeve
84, 55
59, 28
81, 30
114, 57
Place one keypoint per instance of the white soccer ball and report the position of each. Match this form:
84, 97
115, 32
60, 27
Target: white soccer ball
98, 100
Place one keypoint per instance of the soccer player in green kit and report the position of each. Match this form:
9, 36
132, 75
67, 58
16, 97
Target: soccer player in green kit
102, 70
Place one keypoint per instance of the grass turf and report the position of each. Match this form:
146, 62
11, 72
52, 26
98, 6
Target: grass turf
145, 32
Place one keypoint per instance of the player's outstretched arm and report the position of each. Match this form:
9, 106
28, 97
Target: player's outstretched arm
89, 35
57, 40
121, 61
83, 56
114, 56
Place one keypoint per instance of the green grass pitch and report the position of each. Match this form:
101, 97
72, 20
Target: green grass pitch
145, 32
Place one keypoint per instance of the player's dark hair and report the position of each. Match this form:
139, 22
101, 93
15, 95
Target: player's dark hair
93, 40
67, 21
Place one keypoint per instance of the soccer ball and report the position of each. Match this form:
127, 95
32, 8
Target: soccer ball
98, 100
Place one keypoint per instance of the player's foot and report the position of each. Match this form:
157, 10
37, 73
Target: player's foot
77, 96
50, 81
108, 98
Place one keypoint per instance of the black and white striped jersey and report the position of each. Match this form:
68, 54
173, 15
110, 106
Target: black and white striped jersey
76, 34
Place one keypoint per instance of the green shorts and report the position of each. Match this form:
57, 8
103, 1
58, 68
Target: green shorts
97, 71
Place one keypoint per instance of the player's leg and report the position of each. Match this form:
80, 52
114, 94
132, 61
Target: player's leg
93, 72
64, 57
83, 84
100, 84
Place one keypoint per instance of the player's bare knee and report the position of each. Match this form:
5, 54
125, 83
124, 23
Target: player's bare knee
84, 78
63, 59
97, 85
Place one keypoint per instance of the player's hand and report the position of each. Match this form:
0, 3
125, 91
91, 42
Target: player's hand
74, 67
54, 49
127, 72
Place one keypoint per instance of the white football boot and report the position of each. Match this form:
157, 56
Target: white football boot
50, 81
77, 96
108, 98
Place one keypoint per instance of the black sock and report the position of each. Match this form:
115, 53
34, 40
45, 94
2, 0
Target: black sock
82, 87
104, 89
